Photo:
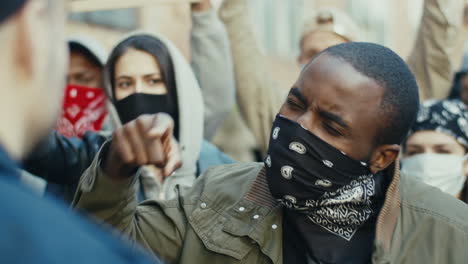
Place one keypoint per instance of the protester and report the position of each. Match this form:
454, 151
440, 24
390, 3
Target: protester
61, 161
163, 82
84, 107
327, 27
37, 230
330, 190
436, 147
431, 59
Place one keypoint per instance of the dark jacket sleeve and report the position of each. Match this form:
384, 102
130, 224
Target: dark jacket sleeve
61, 160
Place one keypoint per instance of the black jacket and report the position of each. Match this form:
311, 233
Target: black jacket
61, 161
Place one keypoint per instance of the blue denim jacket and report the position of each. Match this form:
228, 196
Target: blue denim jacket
42, 230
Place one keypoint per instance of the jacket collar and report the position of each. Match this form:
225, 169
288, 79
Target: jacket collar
260, 198
390, 212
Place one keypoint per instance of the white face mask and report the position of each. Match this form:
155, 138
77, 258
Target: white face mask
444, 171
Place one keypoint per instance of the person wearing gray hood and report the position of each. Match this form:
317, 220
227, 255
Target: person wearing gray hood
60, 156
162, 82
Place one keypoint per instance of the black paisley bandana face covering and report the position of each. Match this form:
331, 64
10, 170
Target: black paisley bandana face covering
308, 175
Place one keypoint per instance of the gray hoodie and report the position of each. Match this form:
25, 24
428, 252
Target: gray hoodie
191, 112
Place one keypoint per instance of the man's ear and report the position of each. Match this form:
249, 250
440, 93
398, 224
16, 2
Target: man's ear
383, 157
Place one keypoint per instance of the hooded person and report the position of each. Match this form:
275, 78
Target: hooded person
84, 105
163, 82
436, 148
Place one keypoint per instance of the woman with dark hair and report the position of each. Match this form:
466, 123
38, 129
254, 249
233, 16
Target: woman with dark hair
146, 74
146, 89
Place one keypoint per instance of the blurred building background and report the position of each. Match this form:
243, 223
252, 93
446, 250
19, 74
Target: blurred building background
278, 25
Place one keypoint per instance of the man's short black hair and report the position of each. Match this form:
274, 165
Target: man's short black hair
400, 102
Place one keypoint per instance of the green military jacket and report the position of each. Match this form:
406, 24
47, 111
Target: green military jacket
229, 216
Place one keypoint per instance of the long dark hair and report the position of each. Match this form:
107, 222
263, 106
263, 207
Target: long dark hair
158, 50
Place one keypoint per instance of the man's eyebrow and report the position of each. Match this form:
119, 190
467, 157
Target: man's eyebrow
295, 91
334, 118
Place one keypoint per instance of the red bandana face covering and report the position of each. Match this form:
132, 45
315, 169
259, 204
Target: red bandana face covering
84, 109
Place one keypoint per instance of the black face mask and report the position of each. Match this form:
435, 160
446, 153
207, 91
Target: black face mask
138, 104
313, 178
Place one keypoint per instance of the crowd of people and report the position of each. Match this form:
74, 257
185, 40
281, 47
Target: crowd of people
132, 155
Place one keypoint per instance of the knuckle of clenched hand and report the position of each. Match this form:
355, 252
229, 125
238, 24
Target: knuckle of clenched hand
159, 162
141, 121
131, 125
142, 161
156, 136
128, 159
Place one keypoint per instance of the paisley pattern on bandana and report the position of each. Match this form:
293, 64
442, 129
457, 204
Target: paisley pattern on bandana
309, 176
84, 109
341, 212
344, 211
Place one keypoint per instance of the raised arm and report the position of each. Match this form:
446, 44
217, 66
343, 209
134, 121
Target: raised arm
115, 203
212, 65
258, 96
109, 194
438, 48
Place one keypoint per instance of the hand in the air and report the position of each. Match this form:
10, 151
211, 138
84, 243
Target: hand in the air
147, 140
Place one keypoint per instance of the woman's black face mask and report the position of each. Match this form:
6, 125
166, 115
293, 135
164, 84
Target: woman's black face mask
134, 105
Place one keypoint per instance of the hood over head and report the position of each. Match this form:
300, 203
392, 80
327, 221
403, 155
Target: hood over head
189, 101
91, 46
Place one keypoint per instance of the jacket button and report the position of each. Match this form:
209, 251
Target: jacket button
241, 209
203, 205
274, 226
256, 217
